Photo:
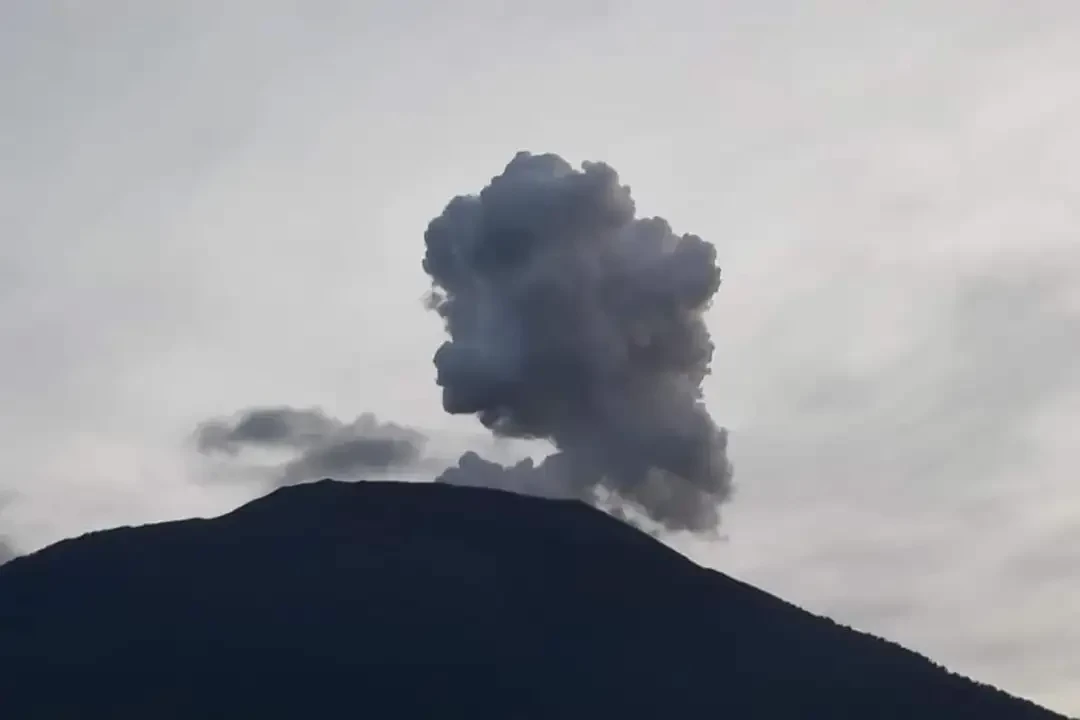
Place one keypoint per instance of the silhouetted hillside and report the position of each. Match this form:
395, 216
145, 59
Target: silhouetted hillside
406, 600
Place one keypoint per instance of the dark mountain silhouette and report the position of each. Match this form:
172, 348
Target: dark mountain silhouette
429, 601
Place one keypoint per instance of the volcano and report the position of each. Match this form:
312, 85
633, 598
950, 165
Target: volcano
402, 600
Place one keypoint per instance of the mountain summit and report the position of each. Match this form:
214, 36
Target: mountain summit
427, 600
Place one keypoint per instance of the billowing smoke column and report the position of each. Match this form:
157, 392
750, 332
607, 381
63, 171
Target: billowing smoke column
574, 321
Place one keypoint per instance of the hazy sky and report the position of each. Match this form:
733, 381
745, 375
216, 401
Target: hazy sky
206, 206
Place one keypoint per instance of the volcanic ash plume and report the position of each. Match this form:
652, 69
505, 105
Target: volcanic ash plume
574, 321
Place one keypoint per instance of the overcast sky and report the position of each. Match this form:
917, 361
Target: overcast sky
206, 206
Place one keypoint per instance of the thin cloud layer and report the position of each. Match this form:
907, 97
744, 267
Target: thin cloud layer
929, 480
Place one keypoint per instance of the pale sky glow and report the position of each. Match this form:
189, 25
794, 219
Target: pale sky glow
206, 206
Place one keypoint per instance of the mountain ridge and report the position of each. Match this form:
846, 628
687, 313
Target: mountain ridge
507, 605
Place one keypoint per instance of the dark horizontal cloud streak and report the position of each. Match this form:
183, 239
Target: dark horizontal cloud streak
319, 445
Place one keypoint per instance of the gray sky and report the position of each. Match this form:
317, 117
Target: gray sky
211, 206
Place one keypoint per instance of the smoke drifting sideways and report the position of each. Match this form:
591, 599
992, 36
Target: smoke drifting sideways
7, 551
572, 320
320, 446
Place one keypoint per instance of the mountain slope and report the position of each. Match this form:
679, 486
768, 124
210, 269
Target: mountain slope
409, 600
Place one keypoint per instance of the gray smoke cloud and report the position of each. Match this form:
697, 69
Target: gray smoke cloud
572, 320
7, 551
321, 445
